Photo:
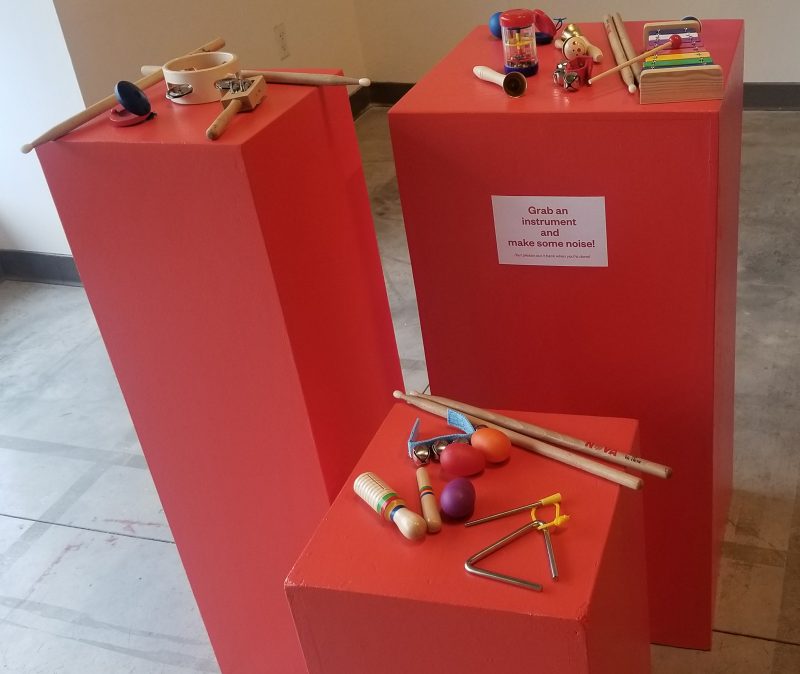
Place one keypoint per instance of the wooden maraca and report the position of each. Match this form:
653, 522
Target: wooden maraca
673, 43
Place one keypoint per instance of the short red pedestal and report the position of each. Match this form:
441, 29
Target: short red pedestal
238, 289
650, 335
365, 599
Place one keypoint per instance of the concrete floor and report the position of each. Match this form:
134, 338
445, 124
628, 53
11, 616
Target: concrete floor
90, 579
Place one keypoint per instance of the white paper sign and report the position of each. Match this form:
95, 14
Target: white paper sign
551, 231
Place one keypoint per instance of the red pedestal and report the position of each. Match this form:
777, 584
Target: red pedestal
365, 599
650, 336
238, 289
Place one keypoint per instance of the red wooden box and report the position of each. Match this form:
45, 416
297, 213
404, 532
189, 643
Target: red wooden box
238, 289
365, 599
650, 336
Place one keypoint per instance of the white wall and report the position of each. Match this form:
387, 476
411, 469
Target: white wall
110, 40
40, 90
402, 40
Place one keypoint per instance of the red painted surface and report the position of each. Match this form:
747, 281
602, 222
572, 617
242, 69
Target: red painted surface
238, 289
651, 336
365, 599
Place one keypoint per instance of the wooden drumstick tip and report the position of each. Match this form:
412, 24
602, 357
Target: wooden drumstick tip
26, 148
399, 395
365, 81
631, 88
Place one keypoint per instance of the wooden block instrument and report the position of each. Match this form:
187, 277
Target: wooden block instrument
687, 73
241, 97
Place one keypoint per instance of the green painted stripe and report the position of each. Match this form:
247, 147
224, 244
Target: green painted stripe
652, 65
379, 507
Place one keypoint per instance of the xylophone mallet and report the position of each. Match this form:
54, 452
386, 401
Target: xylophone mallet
674, 43
383, 500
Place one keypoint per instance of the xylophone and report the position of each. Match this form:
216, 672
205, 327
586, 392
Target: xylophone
687, 73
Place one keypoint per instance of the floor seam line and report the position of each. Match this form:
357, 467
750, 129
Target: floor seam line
98, 531
753, 636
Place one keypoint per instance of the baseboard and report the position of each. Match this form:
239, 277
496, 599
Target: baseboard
771, 96
24, 265
757, 95
378, 93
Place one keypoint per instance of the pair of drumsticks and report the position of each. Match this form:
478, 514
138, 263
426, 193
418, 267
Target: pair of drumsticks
544, 441
628, 64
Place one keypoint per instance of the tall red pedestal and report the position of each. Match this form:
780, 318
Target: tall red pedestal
365, 599
650, 336
238, 289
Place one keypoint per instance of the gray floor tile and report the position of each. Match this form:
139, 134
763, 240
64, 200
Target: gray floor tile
56, 382
123, 500
90, 602
31, 484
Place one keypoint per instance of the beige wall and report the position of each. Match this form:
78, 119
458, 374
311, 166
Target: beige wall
109, 40
42, 92
402, 40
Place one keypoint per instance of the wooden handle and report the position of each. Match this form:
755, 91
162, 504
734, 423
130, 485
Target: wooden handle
219, 125
305, 78
547, 435
532, 445
641, 57
619, 53
107, 103
427, 499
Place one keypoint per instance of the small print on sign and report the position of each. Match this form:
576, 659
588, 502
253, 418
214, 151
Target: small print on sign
551, 231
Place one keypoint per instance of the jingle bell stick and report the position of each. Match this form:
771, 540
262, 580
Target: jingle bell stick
235, 102
532, 445
547, 435
673, 43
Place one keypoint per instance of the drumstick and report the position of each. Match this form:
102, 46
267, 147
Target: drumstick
547, 435
305, 78
625, 41
107, 103
619, 53
532, 445
673, 43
